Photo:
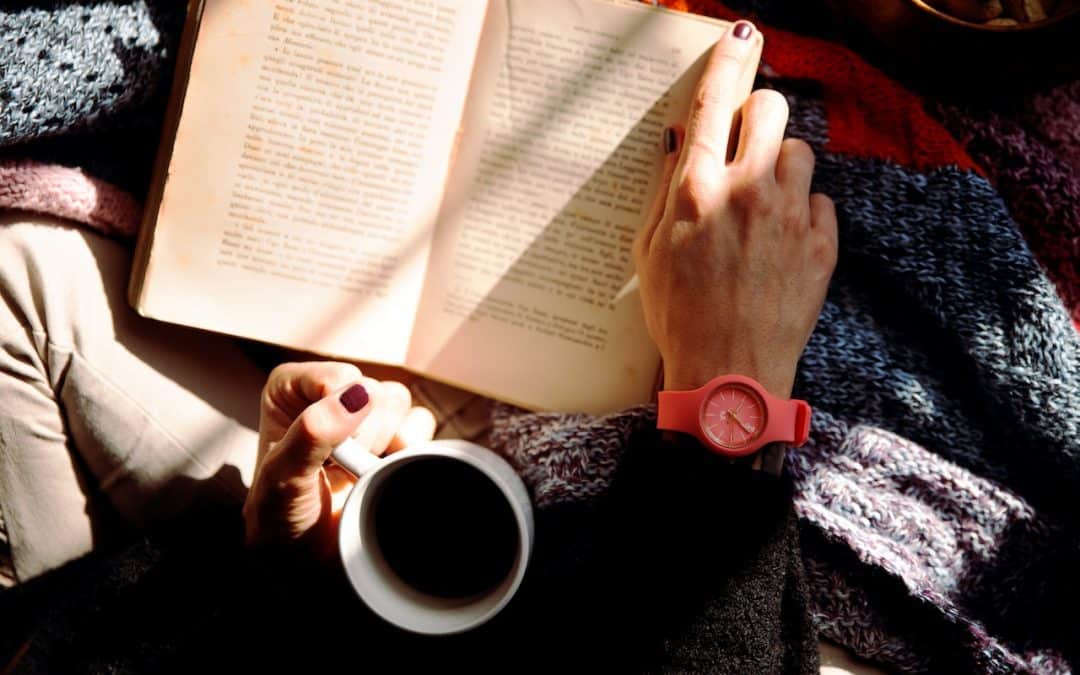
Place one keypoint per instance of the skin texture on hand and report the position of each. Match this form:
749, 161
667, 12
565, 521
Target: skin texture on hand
306, 410
736, 257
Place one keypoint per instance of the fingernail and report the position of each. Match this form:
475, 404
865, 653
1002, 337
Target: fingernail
743, 30
354, 398
671, 140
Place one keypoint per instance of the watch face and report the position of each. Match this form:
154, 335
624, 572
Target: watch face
733, 416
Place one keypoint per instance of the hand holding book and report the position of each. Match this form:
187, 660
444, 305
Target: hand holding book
309, 170
736, 258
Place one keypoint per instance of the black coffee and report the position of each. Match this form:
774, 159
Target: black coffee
445, 528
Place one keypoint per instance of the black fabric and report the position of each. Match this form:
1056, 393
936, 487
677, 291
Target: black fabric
688, 564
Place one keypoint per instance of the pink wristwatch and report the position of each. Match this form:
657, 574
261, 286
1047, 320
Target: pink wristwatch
734, 416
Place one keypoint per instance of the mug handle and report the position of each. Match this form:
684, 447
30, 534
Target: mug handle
354, 457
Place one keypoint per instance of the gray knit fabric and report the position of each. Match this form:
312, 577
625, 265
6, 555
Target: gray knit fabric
59, 64
95, 74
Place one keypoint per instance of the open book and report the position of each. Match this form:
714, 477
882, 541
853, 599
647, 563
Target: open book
451, 186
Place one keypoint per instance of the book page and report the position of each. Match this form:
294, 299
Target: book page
309, 163
561, 156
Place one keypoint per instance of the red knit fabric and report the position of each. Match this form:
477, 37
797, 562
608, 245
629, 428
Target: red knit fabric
868, 114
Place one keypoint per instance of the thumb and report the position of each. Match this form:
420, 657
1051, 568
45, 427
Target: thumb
315, 433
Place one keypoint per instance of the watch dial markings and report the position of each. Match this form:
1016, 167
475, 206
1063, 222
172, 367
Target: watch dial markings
733, 416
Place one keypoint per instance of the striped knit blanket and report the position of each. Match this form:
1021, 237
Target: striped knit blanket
937, 496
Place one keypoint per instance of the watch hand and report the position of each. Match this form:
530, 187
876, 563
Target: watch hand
740, 422
739, 407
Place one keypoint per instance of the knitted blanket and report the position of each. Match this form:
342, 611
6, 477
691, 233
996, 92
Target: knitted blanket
937, 493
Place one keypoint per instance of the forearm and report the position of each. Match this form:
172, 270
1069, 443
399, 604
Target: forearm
685, 547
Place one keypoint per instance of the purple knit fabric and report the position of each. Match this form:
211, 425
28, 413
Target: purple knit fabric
927, 522
1030, 147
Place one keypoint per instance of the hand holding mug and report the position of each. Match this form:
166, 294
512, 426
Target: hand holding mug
307, 409
435, 539
736, 258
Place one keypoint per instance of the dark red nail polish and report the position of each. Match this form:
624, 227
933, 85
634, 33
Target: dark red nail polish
354, 398
671, 140
742, 29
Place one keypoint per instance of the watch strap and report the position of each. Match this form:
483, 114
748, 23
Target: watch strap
800, 420
679, 410
769, 459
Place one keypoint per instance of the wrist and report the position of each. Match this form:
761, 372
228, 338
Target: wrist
679, 376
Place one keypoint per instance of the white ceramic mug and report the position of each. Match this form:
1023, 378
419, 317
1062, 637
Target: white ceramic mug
378, 585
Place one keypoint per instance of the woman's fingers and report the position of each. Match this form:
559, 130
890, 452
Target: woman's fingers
417, 427
823, 212
315, 433
672, 143
341, 483
294, 386
291, 388
391, 402
795, 166
764, 119
823, 224
733, 59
